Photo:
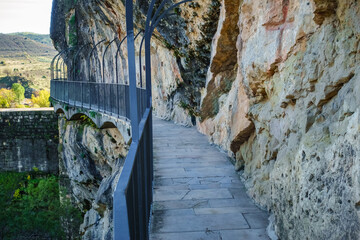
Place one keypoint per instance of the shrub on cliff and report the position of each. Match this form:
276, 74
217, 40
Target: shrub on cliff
31, 208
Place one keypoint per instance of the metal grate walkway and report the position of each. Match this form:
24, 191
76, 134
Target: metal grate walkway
197, 193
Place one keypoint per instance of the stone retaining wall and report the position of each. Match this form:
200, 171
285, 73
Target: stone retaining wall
29, 138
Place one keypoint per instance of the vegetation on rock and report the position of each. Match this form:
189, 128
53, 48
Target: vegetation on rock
32, 209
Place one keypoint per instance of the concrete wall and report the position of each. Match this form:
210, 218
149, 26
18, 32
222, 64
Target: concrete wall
29, 138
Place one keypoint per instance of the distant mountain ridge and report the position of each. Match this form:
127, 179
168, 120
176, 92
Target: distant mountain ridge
19, 45
41, 38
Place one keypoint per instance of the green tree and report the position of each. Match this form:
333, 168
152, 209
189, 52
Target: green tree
31, 208
7, 98
42, 99
19, 91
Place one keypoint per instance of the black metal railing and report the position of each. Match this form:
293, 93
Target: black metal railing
92, 88
108, 98
133, 196
120, 100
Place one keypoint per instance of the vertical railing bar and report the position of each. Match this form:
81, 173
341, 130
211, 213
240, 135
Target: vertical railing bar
144, 185
140, 189
132, 206
67, 92
103, 73
74, 73
116, 57
81, 94
89, 66
57, 67
63, 98
75, 58
52, 66
140, 64
62, 72
117, 95
65, 71
135, 199
132, 70
103, 63
144, 168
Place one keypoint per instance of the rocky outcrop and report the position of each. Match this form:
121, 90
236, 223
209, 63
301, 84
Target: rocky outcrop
291, 115
92, 159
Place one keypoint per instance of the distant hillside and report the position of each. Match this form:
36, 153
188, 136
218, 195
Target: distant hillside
13, 46
25, 58
41, 38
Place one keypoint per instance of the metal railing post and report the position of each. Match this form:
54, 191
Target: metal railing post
132, 71
89, 66
148, 68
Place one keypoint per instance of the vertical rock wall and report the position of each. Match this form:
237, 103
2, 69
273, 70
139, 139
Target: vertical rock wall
291, 115
91, 160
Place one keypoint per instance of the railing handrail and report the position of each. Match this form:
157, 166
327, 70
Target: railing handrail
120, 216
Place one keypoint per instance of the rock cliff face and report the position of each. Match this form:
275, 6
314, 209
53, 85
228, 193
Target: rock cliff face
180, 49
92, 159
288, 109
274, 83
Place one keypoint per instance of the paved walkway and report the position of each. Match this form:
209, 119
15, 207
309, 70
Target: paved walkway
197, 193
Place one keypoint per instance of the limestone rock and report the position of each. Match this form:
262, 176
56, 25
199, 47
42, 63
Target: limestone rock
92, 160
291, 118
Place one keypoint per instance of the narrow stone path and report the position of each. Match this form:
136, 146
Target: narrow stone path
197, 193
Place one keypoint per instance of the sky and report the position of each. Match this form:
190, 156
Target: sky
25, 16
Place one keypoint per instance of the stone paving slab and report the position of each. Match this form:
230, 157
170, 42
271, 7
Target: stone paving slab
239, 202
181, 164
244, 234
197, 193
208, 194
187, 236
256, 220
180, 204
174, 212
190, 223
191, 159
224, 210
253, 234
